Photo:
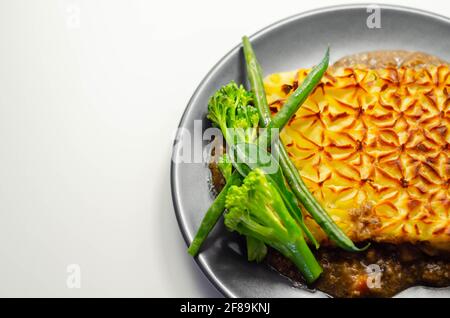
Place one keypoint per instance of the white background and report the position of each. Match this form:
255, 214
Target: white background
88, 108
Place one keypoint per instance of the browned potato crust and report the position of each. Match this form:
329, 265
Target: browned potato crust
384, 59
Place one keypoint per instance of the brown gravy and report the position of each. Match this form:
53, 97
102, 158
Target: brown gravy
382, 271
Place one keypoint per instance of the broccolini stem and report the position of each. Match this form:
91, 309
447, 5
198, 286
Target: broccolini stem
303, 258
295, 249
281, 118
213, 214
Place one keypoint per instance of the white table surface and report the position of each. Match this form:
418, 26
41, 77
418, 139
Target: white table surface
90, 95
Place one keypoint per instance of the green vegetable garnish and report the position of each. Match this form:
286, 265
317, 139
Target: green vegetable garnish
256, 250
225, 166
294, 179
256, 209
230, 110
259, 200
212, 215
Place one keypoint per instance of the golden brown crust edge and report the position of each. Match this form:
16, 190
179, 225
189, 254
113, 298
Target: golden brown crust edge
385, 59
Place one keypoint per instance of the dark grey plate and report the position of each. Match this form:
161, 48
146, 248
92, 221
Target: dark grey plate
295, 42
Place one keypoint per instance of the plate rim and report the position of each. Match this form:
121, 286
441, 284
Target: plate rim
205, 268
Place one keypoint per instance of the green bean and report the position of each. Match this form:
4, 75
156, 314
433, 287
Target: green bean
213, 214
296, 99
256, 82
310, 203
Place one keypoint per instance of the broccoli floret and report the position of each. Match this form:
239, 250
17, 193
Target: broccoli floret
231, 110
256, 209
